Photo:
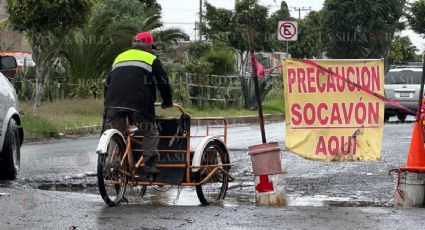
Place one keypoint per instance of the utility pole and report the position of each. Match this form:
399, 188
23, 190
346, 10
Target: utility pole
299, 9
200, 20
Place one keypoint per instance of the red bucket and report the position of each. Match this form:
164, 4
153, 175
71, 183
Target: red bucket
266, 159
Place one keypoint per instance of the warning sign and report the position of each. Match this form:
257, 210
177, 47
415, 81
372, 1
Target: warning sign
332, 113
287, 31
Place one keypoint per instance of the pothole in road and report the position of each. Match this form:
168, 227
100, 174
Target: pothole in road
167, 196
321, 200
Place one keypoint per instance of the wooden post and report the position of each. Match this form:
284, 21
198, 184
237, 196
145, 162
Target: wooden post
255, 79
200, 20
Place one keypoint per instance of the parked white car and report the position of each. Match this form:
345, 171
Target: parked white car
11, 132
402, 84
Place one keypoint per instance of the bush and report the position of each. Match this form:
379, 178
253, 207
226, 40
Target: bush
24, 83
198, 50
222, 60
88, 88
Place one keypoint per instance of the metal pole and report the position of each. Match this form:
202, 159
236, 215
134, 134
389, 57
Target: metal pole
196, 28
287, 49
421, 92
255, 79
200, 20
301, 9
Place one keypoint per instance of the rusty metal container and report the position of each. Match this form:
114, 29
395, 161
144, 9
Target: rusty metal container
410, 190
266, 159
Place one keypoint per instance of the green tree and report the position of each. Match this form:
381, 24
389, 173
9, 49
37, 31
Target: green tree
309, 43
230, 27
89, 51
218, 56
149, 4
402, 50
416, 17
131, 12
280, 15
361, 28
222, 59
47, 23
142, 15
198, 49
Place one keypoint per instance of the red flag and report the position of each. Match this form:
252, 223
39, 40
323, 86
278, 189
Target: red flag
260, 69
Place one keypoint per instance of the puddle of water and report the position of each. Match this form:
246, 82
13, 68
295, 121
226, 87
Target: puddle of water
322, 200
167, 196
187, 197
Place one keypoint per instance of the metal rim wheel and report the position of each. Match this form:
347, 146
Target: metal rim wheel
215, 153
134, 193
111, 182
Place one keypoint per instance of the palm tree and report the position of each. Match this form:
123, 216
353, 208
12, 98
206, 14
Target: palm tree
89, 52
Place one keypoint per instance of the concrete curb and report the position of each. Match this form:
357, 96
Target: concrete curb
95, 129
270, 118
83, 130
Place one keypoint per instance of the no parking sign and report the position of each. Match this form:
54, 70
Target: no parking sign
287, 31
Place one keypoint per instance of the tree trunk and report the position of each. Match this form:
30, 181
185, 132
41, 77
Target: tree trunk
40, 84
244, 59
45, 60
240, 67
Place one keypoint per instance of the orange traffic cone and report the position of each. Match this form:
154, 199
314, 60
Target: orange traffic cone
416, 158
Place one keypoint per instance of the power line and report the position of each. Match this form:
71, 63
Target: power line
301, 9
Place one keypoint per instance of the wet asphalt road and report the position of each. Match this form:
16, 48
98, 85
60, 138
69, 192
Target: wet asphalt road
321, 195
71, 164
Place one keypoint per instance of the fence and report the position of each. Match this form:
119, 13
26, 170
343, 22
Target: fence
188, 89
58, 89
213, 89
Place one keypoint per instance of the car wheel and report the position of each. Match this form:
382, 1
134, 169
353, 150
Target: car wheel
11, 153
401, 117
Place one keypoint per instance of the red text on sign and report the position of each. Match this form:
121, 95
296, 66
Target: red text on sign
313, 80
344, 113
336, 145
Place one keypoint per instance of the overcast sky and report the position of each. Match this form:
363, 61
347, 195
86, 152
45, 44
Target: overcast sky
183, 13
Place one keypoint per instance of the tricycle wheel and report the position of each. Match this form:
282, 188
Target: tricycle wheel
135, 193
112, 183
215, 153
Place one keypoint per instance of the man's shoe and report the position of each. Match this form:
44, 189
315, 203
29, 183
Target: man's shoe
151, 170
147, 170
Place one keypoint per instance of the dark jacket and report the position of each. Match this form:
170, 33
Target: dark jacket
133, 81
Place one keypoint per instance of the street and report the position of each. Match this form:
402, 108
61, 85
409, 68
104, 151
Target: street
71, 164
321, 195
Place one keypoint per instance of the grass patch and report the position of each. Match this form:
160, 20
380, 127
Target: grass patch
36, 127
62, 115
215, 112
58, 116
274, 106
